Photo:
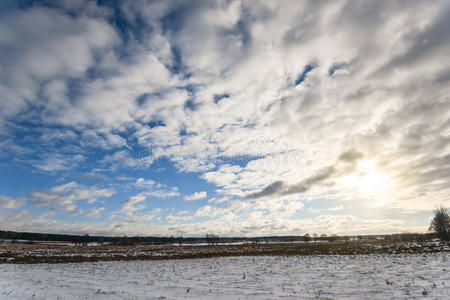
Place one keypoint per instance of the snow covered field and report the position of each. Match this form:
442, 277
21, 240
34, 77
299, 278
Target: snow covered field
354, 276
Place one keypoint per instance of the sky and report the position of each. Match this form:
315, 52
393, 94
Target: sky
235, 118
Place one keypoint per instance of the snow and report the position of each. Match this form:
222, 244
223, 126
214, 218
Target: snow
375, 276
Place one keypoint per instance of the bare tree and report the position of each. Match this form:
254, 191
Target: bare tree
441, 223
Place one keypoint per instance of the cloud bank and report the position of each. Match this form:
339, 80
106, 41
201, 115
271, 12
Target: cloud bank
262, 112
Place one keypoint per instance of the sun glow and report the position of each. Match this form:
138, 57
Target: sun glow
367, 180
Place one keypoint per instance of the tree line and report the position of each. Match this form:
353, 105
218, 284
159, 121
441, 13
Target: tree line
209, 239
439, 228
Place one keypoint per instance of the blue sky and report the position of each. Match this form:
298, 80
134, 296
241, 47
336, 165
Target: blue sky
237, 118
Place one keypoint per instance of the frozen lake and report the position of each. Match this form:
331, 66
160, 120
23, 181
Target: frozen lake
342, 277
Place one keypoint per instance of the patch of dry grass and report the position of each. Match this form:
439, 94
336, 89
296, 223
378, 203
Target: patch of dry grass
30, 253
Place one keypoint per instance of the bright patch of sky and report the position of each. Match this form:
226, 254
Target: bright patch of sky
238, 118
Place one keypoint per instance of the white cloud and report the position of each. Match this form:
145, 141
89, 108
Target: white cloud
195, 196
95, 212
253, 224
72, 210
178, 219
163, 193
336, 208
37, 42
68, 193
123, 158
8, 202
206, 211
219, 200
142, 183
130, 206
152, 188
58, 162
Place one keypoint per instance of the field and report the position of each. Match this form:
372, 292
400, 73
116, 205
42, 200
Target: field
375, 269
51, 253
374, 276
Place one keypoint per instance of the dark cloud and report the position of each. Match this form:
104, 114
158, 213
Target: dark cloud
271, 189
424, 43
351, 155
280, 188
309, 182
